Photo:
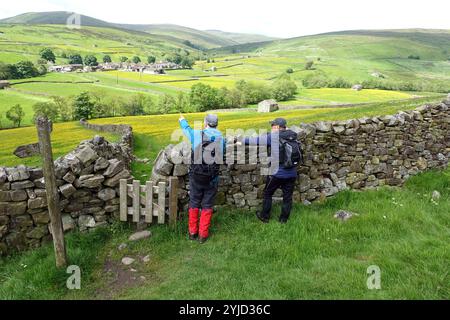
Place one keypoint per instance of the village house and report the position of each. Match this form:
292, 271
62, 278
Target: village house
65, 68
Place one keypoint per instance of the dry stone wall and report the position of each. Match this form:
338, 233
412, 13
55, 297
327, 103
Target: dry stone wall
358, 153
87, 180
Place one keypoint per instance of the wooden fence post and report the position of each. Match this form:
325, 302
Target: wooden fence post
173, 200
43, 126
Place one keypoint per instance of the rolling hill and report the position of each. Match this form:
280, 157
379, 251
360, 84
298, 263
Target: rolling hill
170, 32
404, 55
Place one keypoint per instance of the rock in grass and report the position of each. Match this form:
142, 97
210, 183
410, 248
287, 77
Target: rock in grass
127, 261
140, 235
122, 246
344, 215
436, 195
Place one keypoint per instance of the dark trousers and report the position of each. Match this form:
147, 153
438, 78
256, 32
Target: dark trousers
202, 191
272, 184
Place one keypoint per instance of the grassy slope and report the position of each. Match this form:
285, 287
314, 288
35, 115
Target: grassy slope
314, 256
240, 38
18, 42
170, 32
354, 55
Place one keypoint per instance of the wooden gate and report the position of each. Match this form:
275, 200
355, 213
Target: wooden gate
149, 201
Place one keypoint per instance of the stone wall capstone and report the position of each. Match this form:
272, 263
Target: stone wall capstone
358, 153
87, 180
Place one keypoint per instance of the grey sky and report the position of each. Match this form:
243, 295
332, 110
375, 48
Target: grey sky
281, 18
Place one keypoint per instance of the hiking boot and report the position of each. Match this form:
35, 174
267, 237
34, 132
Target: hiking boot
193, 236
202, 240
262, 219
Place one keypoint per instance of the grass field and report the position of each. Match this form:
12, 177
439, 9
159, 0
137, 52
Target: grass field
314, 256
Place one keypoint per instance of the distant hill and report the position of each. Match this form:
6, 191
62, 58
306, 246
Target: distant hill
371, 44
175, 33
240, 38
54, 17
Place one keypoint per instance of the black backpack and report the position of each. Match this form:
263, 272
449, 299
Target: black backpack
291, 154
206, 147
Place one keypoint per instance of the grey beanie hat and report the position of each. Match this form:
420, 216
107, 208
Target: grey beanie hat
212, 120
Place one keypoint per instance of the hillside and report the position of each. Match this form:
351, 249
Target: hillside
240, 38
23, 42
169, 32
357, 55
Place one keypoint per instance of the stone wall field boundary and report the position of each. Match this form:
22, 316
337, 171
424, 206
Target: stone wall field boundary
352, 154
124, 130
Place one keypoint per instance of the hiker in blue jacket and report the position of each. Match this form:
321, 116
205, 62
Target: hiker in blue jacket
286, 174
206, 155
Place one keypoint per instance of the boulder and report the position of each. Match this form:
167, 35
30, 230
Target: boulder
106, 194
91, 181
13, 208
27, 150
115, 166
101, 164
67, 190
37, 203
140, 235
18, 195
18, 173
162, 164
86, 155
42, 217
114, 181
19, 185
69, 177
86, 221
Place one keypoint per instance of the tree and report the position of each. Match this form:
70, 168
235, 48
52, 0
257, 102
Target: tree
48, 55
75, 59
107, 59
83, 106
136, 59
90, 61
187, 62
151, 59
2, 116
166, 103
284, 89
64, 107
26, 69
309, 65
175, 58
123, 59
46, 109
135, 106
203, 97
181, 102
15, 114
8, 71
289, 70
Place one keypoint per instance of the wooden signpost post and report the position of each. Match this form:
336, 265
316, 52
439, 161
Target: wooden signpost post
43, 126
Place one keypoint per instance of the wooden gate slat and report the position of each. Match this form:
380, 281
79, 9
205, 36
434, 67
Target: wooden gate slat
123, 200
149, 202
161, 201
136, 200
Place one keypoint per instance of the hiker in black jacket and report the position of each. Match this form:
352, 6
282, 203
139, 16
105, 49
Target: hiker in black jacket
284, 146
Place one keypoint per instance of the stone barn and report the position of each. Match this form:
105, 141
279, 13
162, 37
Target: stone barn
4, 84
268, 106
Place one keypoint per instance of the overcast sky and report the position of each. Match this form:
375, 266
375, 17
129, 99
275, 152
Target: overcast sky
279, 18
